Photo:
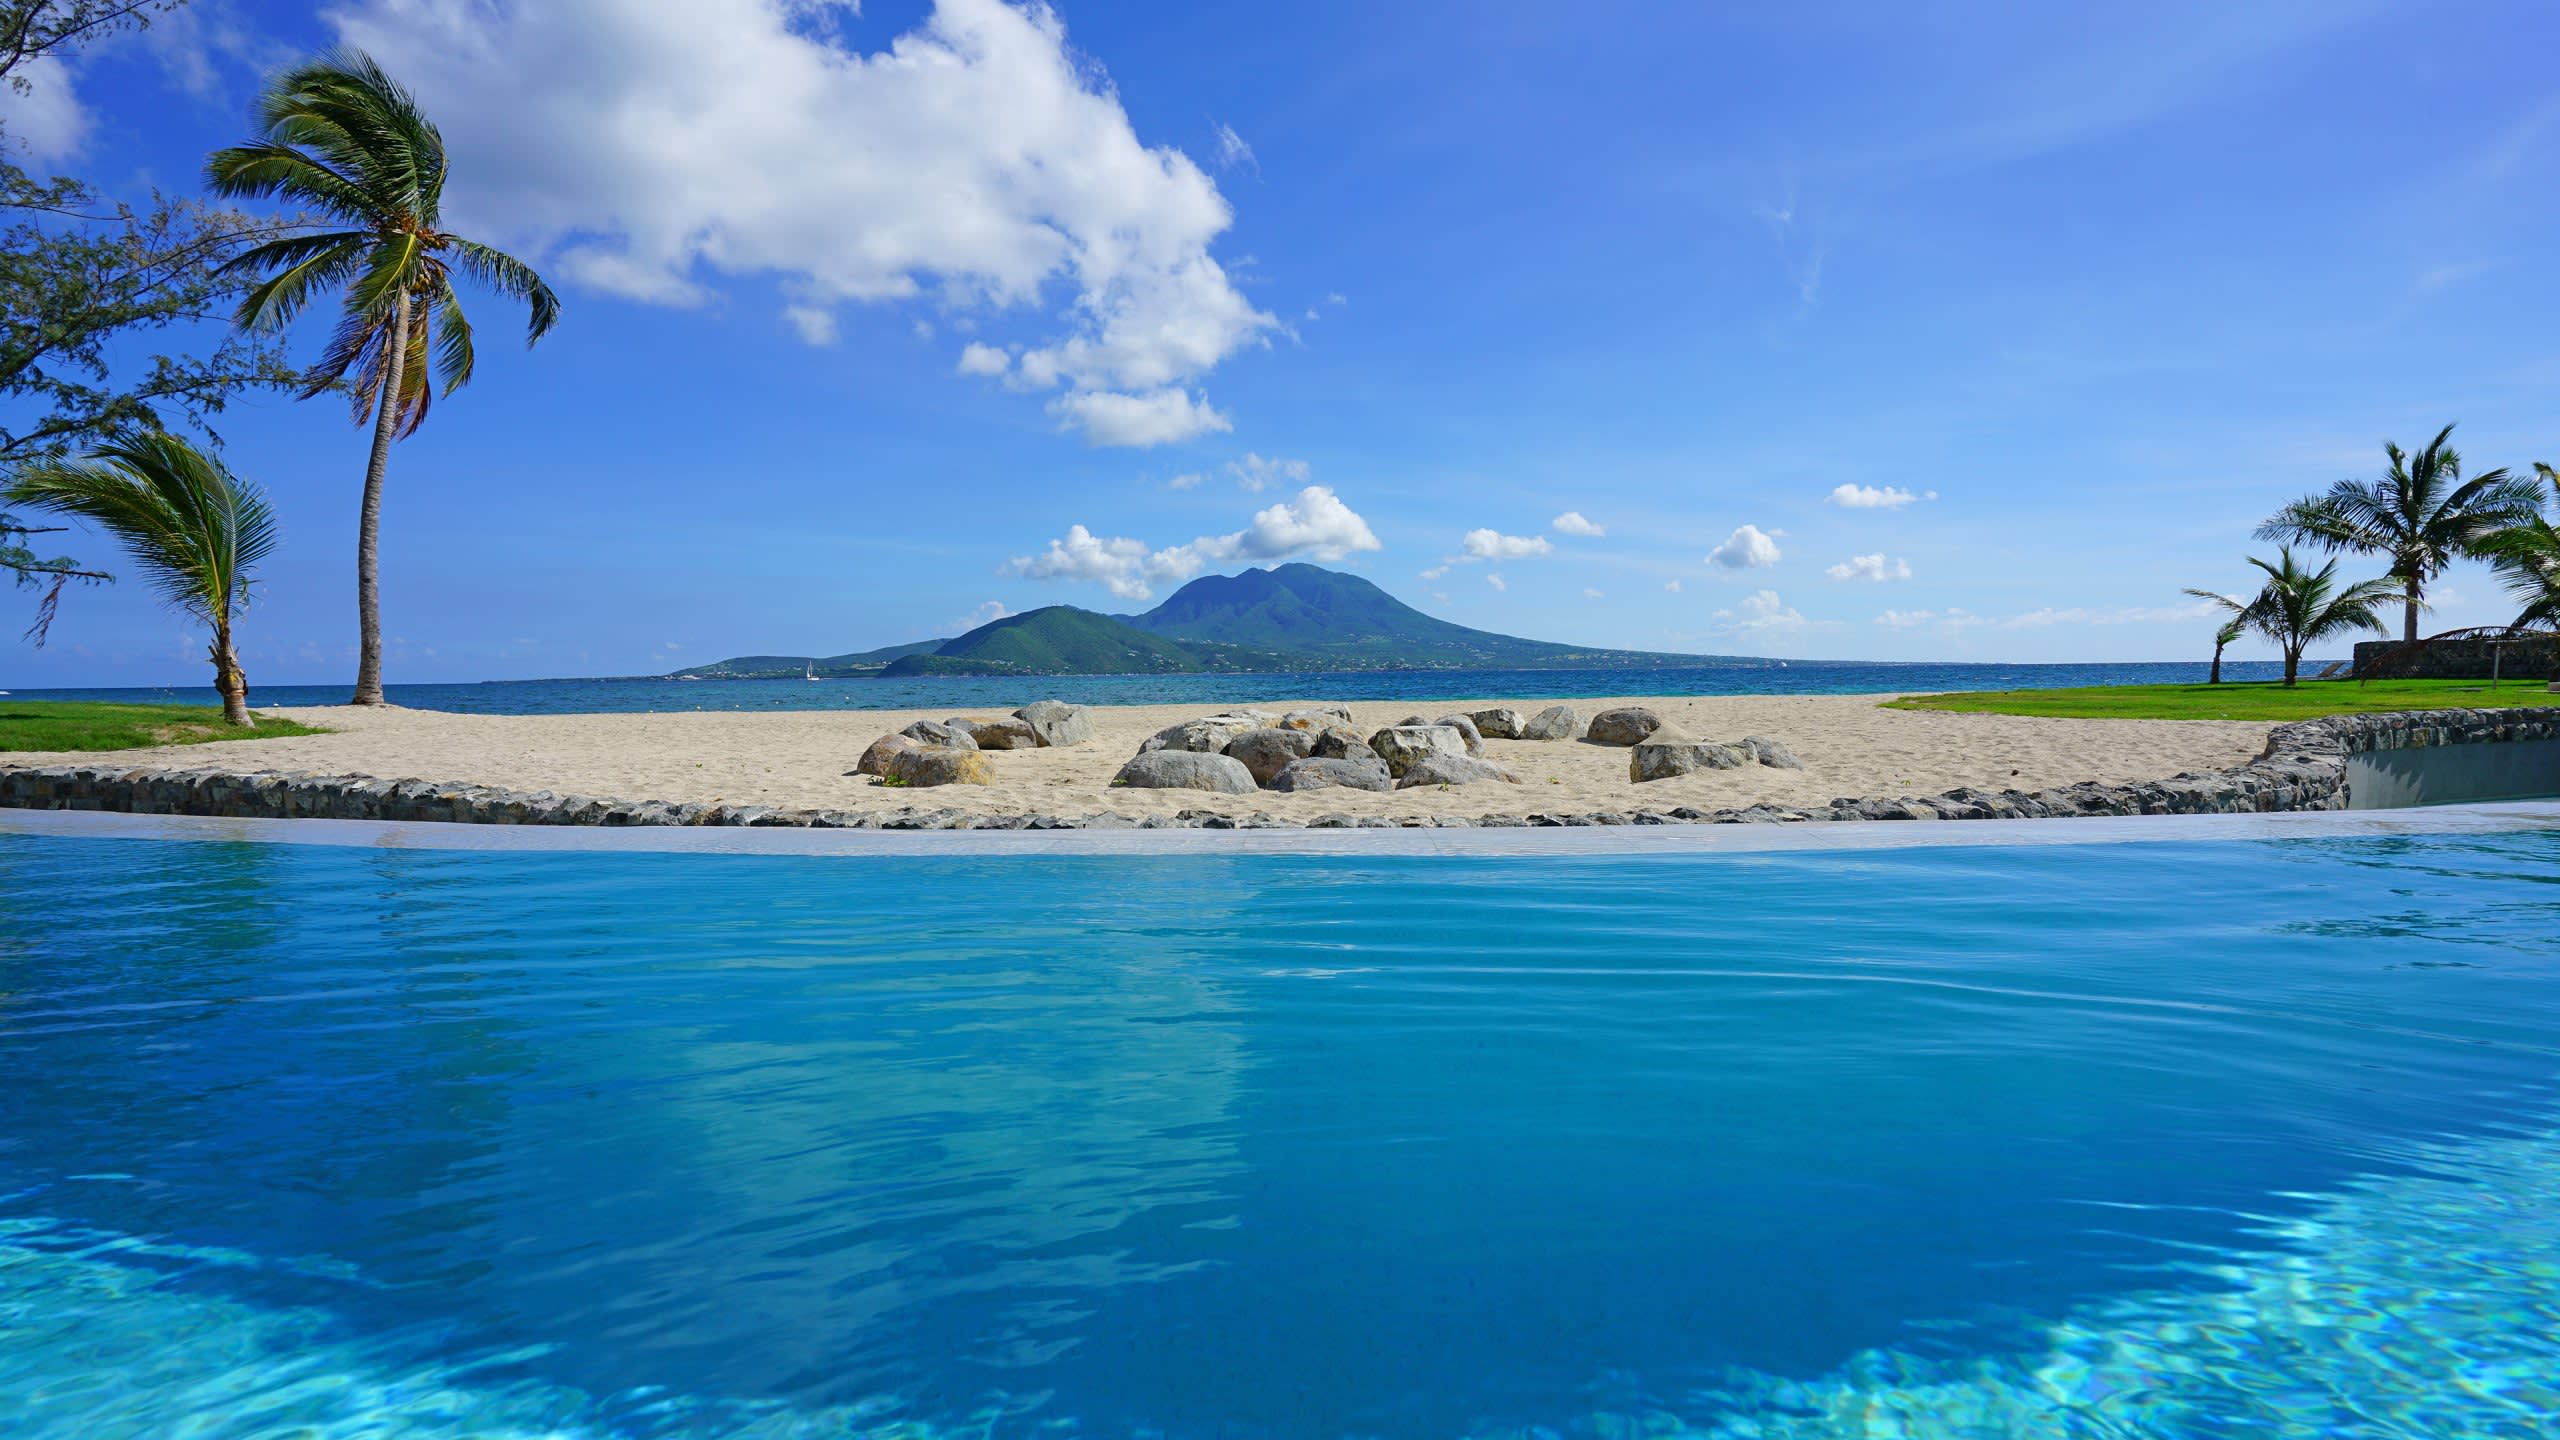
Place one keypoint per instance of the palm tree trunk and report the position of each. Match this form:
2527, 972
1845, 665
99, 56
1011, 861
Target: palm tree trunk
227, 679
386, 419
2292, 664
2216, 677
2409, 617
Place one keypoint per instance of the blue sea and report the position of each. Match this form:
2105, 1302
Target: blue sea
332, 1142
1801, 677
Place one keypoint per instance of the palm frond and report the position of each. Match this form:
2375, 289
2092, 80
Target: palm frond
307, 269
196, 532
512, 278
454, 359
266, 170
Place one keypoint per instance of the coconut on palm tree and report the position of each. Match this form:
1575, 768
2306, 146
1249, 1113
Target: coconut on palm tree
2298, 608
2526, 556
345, 141
2421, 515
193, 528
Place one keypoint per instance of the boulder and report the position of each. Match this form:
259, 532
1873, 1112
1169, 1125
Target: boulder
1501, 724
1267, 752
1321, 774
1185, 770
1466, 728
1770, 753
1056, 722
1402, 745
935, 733
1322, 717
1556, 722
929, 765
1207, 736
1667, 753
1447, 769
1342, 745
875, 761
1006, 734
1623, 727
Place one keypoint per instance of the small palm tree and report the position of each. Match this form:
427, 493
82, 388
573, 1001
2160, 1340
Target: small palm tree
2299, 607
346, 141
2527, 556
2235, 623
193, 529
2421, 514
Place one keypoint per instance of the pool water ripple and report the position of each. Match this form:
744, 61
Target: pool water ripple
2211, 1139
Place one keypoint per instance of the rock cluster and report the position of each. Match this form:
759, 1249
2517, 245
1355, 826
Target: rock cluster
951, 752
1666, 752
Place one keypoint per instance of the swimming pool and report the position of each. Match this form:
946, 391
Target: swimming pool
2206, 1138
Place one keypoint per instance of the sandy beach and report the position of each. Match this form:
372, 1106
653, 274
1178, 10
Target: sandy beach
1850, 746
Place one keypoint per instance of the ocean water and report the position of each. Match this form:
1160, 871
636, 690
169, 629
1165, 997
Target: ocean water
329, 1142
1802, 677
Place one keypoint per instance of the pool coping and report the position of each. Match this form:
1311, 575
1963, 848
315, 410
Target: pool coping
2482, 819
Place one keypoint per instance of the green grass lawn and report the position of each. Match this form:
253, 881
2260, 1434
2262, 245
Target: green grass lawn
2235, 700
99, 725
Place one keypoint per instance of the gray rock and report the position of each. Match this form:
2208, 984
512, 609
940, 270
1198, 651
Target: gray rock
1207, 736
1056, 722
1342, 745
936, 733
1402, 745
1666, 754
1185, 770
1770, 753
1268, 752
1318, 774
929, 765
1623, 727
1466, 728
1006, 734
1500, 723
1556, 722
875, 761
1448, 769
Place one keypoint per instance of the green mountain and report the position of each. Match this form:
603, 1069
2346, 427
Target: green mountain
826, 667
1063, 640
1349, 623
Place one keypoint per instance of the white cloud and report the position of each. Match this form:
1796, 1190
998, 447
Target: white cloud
816, 327
2044, 616
1671, 585
977, 160
1494, 545
1954, 617
980, 358
1233, 153
1749, 548
1257, 473
1436, 571
1156, 417
1316, 524
48, 119
1572, 523
1875, 568
1185, 482
1874, 497
987, 613
1761, 610
1590, 594
1494, 579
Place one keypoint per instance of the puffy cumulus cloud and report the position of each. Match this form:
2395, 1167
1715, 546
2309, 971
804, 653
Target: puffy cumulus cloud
1315, 525
1572, 523
976, 160
1494, 545
987, 613
816, 326
1154, 417
1749, 548
1874, 497
979, 358
1494, 579
1875, 568
1758, 611
1257, 473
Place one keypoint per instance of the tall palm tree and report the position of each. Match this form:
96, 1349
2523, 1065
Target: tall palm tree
197, 532
2527, 556
341, 139
2235, 623
2299, 607
2421, 514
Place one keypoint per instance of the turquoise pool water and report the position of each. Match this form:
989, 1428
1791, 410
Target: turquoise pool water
2188, 1139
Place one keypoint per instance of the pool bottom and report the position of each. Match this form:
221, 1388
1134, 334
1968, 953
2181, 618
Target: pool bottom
2411, 1305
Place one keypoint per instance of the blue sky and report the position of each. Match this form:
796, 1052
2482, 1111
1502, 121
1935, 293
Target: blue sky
878, 321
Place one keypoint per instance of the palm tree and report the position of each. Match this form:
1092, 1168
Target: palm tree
2299, 607
2421, 514
345, 141
2527, 556
193, 529
2235, 623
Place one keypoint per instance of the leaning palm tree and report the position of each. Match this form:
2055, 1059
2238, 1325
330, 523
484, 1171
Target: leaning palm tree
2526, 556
2421, 514
2235, 623
345, 141
2299, 607
193, 529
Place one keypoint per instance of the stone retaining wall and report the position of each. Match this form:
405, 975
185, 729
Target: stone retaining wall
2527, 660
2304, 767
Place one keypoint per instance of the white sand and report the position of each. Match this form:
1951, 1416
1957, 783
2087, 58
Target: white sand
1850, 748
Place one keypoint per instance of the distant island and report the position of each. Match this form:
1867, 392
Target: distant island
1288, 618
